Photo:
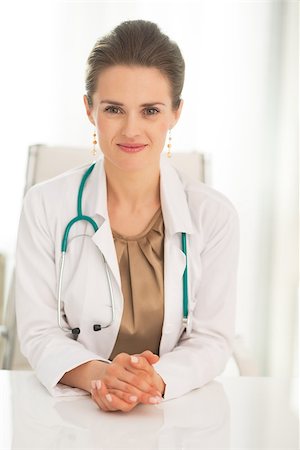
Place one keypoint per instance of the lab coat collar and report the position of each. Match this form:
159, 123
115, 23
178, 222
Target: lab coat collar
175, 209
176, 213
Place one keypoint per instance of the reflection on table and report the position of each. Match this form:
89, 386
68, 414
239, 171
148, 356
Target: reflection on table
227, 413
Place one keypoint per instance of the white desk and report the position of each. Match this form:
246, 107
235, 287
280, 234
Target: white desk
228, 413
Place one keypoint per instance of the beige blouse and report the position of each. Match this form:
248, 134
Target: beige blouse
141, 262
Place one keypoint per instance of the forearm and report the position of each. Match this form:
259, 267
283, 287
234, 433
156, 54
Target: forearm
82, 375
190, 366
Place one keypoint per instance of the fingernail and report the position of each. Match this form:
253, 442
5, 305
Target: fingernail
159, 394
98, 384
134, 359
93, 384
133, 398
108, 396
154, 400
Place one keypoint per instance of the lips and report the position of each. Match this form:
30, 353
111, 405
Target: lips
124, 144
131, 148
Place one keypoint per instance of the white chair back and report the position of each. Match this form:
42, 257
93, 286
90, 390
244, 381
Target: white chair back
45, 162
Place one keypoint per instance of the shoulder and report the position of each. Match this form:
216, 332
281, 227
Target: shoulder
54, 199
58, 184
55, 193
204, 200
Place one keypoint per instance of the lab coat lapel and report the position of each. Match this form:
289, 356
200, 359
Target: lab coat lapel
103, 237
177, 219
104, 240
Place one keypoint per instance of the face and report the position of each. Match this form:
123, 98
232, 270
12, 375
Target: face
132, 105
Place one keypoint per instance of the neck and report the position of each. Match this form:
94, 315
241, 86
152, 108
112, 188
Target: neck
134, 190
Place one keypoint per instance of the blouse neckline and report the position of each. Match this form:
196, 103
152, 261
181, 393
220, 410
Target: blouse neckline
144, 233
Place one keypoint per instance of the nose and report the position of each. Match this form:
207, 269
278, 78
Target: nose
131, 125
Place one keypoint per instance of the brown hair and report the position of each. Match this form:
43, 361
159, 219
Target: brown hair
138, 43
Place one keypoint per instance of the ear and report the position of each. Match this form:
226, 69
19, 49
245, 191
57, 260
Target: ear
177, 113
89, 110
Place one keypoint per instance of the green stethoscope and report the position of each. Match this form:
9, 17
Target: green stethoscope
75, 331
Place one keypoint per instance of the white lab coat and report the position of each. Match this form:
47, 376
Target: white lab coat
187, 360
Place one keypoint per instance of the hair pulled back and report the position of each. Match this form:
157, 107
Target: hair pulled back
136, 43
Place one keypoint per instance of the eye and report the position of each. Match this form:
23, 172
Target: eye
112, 109
153, 112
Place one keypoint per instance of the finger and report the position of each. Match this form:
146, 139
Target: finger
109, 401
98, 401
144, 398
125, 396
113, 402
118, 377
129, 390
96, 396
134, 381
141, 363
134, 385
152, 358
104, 397
117, 404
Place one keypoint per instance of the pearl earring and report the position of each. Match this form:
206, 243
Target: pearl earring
94, 150
169, 145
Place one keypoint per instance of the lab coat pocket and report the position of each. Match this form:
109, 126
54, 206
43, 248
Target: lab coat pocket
85, 288
73, 285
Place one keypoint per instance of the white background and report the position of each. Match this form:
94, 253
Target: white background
240, 110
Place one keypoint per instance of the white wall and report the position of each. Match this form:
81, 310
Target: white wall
240, 96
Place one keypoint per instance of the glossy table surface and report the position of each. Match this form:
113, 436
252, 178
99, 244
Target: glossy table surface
227, 413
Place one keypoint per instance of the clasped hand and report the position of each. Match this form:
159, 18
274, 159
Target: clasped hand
128, 381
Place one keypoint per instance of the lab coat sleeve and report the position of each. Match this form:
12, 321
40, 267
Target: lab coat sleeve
201, 356
50, 352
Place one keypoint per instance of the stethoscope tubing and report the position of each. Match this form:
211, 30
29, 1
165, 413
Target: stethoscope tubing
80, 217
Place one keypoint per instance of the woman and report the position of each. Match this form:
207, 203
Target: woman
129, 343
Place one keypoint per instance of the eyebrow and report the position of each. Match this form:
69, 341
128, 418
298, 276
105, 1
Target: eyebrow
121, 104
